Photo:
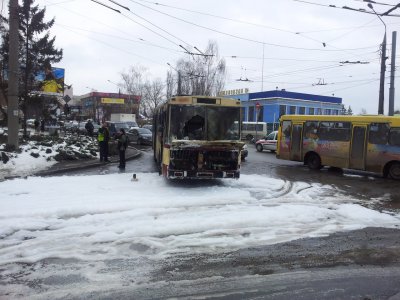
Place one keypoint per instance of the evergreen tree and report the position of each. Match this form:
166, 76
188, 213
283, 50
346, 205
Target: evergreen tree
37, 49
344, 110
350, 111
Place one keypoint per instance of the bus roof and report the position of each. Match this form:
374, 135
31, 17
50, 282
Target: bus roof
361, 119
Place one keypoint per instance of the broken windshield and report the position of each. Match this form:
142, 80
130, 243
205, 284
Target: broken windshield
204, 123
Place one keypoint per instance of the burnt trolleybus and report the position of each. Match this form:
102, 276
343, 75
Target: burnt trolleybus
198, 137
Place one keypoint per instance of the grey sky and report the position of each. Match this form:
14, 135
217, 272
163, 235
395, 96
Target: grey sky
99, 43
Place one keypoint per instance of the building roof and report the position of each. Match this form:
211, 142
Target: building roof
294, 95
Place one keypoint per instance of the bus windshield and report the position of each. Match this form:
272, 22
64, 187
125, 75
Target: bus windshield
199, 123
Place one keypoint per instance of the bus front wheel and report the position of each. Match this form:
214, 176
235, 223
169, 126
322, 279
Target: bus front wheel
314, 161
394, 170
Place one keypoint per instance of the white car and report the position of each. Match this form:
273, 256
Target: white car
30, 123
268, 143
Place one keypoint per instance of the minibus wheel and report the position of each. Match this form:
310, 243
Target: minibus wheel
259, 148
394, 170
314, 161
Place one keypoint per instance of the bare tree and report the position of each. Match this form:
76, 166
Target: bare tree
202, 74
153, 95
133, 82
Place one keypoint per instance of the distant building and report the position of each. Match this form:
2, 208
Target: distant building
99, 106
273, 104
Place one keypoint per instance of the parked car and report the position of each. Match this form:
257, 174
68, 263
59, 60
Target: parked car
96, 129
148, 126
114, 127
30, 123
71, 126
81, 128
140, 136
132, 124
268, 143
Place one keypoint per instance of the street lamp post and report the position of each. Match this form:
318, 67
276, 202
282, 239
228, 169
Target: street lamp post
383, 66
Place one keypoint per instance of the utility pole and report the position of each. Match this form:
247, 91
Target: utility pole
382, 79
392, 71
13, 66
383, 66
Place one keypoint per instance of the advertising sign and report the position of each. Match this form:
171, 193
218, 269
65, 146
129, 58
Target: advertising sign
50, 82
113, 100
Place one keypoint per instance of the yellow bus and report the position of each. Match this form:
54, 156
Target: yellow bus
368, 143
198, 137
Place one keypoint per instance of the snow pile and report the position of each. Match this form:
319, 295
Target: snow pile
110, 216
33, 156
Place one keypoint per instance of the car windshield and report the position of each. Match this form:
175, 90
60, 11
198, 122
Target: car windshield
125, 126
132, 124
144, 131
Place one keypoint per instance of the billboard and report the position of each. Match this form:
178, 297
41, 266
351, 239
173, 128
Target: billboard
113, 100
50, 82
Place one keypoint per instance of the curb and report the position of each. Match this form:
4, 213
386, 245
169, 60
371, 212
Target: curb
85, 166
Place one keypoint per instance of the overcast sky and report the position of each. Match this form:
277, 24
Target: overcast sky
99, 43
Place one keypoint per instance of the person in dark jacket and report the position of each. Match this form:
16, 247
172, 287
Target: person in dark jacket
89, 127
103, 138
122, 145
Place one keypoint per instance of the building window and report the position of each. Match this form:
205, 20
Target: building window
302, 110
251, 114
327, 111
243, 114
317, 111
260, 114
311, 111
282, 110
292, 110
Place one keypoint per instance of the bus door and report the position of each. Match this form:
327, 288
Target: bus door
296, 143
357, 152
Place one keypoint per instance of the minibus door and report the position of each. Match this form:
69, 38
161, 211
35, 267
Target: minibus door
297, 141
357, 152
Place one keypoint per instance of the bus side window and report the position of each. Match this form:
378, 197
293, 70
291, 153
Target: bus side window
394, 137
286, 126
342, 130
378, 133
310, 130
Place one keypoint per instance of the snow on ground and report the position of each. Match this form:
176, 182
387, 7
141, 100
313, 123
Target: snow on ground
23, 164
35, 156
99, 217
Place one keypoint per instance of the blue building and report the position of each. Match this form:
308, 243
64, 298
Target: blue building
270, 105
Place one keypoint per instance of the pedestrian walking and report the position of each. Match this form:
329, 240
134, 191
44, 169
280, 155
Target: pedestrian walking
42, 125
122, 145
36, 123
103, 138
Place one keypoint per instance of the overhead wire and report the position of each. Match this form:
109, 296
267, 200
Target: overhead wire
344, 7
158, 27
140, 40
243, 38
123, 50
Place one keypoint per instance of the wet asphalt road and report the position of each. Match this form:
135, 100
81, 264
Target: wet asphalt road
361, 264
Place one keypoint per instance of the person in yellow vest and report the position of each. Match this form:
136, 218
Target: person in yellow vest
103, 137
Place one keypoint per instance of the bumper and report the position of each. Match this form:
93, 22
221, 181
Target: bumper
176, 174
